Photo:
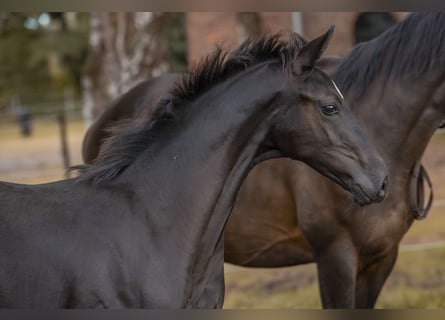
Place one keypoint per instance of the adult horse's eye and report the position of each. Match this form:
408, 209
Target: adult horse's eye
329, 109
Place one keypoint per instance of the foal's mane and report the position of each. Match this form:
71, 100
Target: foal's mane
409, 49
131, 137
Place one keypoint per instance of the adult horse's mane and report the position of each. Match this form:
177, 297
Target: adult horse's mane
131, 137
407, 50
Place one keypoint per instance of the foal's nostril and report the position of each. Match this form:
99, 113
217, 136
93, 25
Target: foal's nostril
382, 192
385, 184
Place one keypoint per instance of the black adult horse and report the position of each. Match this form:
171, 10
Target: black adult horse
142, 227
286, 214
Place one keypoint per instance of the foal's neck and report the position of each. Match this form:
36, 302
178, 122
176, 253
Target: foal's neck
189, 179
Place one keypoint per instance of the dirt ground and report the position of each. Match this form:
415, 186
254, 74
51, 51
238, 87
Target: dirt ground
38, 158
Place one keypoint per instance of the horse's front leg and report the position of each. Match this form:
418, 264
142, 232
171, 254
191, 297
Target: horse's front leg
371, 280
337, 271
213, 295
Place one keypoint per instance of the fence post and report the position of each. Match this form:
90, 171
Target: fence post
61, 119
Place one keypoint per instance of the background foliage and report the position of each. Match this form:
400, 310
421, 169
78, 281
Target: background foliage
43, 53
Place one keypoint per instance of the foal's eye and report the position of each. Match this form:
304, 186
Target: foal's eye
329, 109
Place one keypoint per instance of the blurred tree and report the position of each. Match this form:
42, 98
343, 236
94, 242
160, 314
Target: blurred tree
176, 42
124, 48
44, 53
41, 54
249, 24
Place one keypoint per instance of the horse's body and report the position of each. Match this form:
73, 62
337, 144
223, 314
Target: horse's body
143, 226
58, 257
287, 214
355, 248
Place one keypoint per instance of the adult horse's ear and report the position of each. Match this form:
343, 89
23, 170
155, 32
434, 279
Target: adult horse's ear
311, 52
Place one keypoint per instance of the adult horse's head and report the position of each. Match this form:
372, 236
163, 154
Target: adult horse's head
319, 129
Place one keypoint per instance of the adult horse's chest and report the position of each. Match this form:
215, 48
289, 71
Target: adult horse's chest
380, 227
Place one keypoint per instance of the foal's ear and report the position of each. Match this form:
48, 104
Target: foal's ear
311, 52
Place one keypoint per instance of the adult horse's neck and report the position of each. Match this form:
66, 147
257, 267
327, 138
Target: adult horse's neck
397, 76
188, 178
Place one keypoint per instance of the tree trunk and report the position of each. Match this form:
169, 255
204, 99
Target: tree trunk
124, 49
249, 24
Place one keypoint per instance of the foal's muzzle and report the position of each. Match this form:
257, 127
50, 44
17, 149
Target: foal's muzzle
364, 197
383, 191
